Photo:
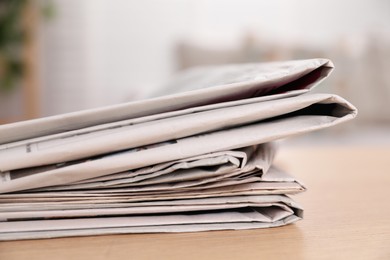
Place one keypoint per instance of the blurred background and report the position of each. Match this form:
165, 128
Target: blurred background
59, 56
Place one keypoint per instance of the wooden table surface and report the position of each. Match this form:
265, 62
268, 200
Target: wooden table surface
347, 216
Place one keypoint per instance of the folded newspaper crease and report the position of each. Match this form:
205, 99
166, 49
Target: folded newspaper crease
199, 159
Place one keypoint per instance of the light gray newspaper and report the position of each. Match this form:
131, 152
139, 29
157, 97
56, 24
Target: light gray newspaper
239, 212
195, 160
245, 195
202, 86
89, 144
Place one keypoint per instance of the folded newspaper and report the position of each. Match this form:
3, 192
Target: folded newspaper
198, 159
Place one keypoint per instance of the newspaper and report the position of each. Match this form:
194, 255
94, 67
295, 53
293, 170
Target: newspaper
90, 144
198, 159
246, 195
222, 85
265, 211
328, 111
214, 206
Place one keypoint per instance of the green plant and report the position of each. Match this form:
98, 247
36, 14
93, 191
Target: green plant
12, 37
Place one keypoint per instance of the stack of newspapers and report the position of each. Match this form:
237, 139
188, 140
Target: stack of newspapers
198, 159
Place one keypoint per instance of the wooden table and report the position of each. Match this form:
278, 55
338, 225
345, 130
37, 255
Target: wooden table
347, 216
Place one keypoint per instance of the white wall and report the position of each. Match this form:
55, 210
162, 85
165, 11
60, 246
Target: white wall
99, 52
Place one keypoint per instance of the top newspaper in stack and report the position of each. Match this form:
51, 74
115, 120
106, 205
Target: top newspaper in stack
231, 107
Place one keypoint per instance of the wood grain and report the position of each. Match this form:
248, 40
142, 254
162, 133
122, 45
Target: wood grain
347, 216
